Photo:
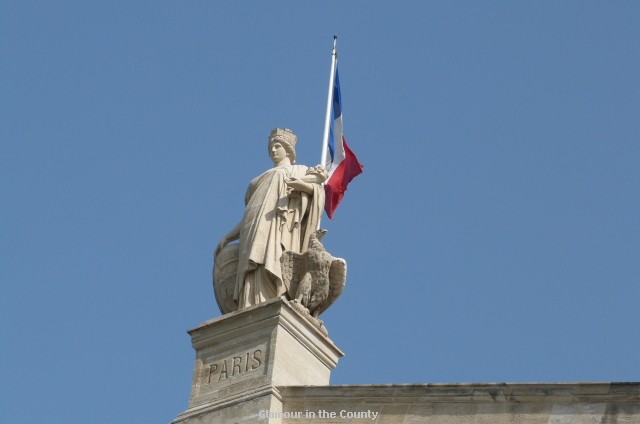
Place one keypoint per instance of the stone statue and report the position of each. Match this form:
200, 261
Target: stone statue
314, 279
283, 207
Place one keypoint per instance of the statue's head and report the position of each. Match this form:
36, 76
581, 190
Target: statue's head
287, 139
319, 234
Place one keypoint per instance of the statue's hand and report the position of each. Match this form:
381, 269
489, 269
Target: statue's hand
221, 246
233, 235
296, 184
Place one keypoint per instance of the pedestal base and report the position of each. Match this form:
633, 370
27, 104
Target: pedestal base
242, 357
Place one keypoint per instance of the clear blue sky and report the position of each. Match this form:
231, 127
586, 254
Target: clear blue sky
494, 236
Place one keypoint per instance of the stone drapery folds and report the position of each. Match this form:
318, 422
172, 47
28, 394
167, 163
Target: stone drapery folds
283, 207
275, 219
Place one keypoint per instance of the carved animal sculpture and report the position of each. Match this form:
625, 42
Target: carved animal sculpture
314, 278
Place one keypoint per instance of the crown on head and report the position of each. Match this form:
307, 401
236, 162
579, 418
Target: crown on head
284, 135
288, 140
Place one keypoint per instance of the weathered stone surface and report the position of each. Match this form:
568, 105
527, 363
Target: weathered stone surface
283, 206
268, 364
242, 357
314, 279
498, 403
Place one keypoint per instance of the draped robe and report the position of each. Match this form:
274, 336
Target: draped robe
274, 221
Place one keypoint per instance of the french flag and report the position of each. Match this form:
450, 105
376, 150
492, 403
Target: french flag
343, 165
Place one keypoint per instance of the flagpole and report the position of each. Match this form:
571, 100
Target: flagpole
327, 121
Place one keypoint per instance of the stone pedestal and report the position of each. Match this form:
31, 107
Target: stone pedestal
243, 357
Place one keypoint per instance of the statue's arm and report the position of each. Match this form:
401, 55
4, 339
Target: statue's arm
232, 235
300, 185
314, 176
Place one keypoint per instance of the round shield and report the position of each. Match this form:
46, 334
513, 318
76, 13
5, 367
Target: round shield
225, 269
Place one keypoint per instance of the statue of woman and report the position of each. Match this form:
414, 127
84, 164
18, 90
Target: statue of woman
283, 207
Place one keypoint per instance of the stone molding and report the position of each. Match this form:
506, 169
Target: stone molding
268, 364
469, 392
244, 356
491, 403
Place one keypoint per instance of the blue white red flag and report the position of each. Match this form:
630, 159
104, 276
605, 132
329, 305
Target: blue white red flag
343, 165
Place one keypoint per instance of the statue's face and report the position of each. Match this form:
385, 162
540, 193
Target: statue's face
278, 152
